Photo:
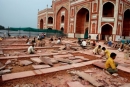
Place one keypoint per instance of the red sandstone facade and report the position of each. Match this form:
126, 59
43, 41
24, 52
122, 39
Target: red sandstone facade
80, 18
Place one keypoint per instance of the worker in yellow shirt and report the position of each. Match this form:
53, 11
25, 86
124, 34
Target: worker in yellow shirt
110, 65
106, 53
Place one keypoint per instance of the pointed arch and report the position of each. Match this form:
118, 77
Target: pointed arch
82, 20
108, 9
106, 30
41, 24
62, 19
126, 23
50, 20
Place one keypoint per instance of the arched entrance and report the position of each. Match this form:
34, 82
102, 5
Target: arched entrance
126, 23
108, 10
41, 24
82, 20
62, 29
106, 30
49, 28
62, 19
86, 33
50, 20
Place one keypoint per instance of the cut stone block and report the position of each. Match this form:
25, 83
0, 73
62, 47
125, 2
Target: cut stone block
4, 71
123, 68
36, 60
1, 52
72, 58
75, 84
64, 60
54, 60
17, 75
49, 70
46, 60
81, 57
37, 72
65, 67
2, 67
89, 78
77, 65
25, 62
8, 62
99, 64
125, 85
40, 66
88, 62
62, 56
77, 61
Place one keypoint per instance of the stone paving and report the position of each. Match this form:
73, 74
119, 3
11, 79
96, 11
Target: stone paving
78, 61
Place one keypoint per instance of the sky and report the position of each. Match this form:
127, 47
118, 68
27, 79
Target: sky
21, 13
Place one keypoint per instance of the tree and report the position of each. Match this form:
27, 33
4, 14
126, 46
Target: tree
2, 27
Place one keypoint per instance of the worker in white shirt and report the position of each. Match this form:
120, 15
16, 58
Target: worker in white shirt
59, 41
97, 50
83, 44
31, 49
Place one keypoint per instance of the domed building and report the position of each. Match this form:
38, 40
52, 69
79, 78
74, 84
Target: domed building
80, 18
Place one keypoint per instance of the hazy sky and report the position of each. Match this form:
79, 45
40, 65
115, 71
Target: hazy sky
21, 13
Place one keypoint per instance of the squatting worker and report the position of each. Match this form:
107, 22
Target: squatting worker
106, 53
31, 49
110, 65
97, 50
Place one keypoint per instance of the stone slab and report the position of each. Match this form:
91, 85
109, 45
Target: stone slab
40, 66
64, 60
89, 78
125, 85
53, 60
77, 61
2, 67
72, 58
5, 71
37, 72
90, 62
8, 62
65, 67
79, 57
36, 60
46, 60
62, 56
75, 84
49, 70
24, 48
17, 75
9, 57
99, 64
1, 52
25, 62
123, 68
77, 65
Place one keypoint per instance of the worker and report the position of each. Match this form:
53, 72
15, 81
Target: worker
110, 65
31, 49
106, 53
97, 50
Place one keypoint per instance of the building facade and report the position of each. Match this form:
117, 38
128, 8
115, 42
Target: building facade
80, 18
